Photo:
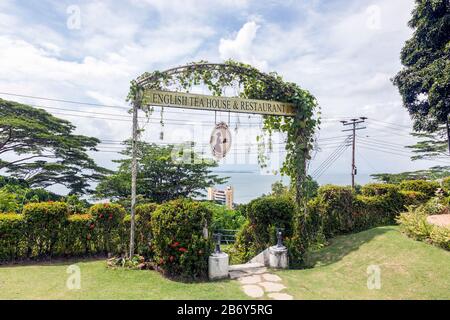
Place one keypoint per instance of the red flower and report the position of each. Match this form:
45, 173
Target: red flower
175, 244
110, 217
92, 226
161, 261
171, 258
88, 237
182, 249
101, 215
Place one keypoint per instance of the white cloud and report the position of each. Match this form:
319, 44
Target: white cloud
240, 48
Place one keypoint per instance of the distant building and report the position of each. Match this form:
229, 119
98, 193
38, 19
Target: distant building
222, 196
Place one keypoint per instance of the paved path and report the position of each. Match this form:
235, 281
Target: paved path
442, 220
256, 286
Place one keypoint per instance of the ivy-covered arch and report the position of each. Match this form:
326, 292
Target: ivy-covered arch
253, 84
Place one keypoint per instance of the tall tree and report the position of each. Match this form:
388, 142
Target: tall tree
161, 176
424, 82
431, 146
44, 150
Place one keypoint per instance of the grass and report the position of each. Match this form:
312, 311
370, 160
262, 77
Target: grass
48, 281
409, 270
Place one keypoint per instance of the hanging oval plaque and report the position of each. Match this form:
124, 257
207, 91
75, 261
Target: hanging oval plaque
220, 140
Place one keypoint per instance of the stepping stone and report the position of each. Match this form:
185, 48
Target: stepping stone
272, 286
253, 291
271, 277
246, 269
250, 279
280, 296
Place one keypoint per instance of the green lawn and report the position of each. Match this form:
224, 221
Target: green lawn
409, 270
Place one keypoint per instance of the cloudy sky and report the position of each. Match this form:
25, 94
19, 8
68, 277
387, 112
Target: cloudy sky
343, 52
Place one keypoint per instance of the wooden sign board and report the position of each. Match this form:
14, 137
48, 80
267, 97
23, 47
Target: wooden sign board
214, 103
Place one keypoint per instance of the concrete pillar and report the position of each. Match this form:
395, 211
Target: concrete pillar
218, 266
278, 257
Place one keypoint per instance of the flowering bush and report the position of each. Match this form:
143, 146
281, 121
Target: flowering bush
45, 223
106, 220
181, 248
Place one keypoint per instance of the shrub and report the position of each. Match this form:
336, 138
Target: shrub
78, 236
45, 224
434, 206
224, 218
179, 243
446, 184
426, 187
142, 229
107, 218
8, 201
414, 224
335, 208
265, 215
12, 237
379, 189
413, 198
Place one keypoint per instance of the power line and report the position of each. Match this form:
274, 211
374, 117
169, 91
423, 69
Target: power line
354, 122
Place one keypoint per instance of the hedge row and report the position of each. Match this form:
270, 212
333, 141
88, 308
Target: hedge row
335, 210
47, 230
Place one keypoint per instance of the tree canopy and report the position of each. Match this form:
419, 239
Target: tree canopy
424, 82
433, 173
160, 176
44, 149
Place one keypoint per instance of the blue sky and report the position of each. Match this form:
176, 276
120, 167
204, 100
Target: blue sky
343, 52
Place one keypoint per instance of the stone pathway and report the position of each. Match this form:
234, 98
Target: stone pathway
255, 286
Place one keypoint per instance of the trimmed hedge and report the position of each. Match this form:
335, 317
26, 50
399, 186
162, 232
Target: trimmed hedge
12, 238
180, 247
379, 189
46, 229
427, 187
264, 216
45, 225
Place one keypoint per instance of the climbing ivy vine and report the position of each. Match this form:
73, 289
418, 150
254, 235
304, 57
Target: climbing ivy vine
253, 84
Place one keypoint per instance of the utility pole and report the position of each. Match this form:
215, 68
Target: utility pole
136, 105
354, 123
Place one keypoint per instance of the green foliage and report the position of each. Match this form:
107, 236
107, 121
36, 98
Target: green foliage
45, 148
265, 215
106, 222
446, 184
76, 205
427, 187
8, 201
224, 218
45, 223
413, 198
12, 235
143, 233
378, 189
414, 224
160, 176
434, 206
180, 247
47, 230
424, 82
432, 173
